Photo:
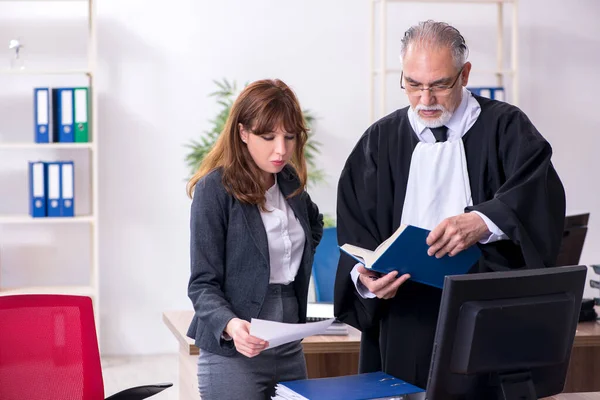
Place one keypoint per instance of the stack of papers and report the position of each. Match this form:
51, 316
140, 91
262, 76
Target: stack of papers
321, 312
376, 385
336, 329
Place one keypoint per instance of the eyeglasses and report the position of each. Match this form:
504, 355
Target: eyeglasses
435, 90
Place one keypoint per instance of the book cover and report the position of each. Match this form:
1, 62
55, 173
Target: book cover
81, 108
374, 385
41, 114
406, 252
62, 115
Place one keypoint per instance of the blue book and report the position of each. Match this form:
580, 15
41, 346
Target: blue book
491, 92
62, 112
67, 189
374, 385
53, 181
406, 252
37, 189
41, 114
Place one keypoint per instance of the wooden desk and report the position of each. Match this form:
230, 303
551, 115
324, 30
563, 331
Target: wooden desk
338, 355
325, 355
575, 396
584, 370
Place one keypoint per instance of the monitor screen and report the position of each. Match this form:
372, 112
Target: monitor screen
505, 335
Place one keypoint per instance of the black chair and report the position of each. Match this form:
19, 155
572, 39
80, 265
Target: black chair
573, 239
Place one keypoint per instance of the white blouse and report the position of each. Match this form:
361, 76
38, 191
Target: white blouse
285, 237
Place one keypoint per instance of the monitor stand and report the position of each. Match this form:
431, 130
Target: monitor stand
516, 386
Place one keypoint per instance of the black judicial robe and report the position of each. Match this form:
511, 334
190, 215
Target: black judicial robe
512, 182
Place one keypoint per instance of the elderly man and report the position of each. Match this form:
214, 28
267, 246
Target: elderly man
474, 171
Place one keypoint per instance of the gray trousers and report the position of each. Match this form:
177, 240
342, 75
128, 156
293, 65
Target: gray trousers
243, 378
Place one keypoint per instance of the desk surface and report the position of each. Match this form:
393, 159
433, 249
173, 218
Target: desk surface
179, 321
575, 396
587, 335
582, 376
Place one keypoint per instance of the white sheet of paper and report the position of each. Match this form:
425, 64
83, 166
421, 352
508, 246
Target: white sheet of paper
278, 333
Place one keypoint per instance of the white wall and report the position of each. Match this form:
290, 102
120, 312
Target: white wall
158, 74
157, 63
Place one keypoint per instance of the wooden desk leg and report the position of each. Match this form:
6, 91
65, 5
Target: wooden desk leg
188, 375
331, 364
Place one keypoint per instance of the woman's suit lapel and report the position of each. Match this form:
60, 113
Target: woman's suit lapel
256, 229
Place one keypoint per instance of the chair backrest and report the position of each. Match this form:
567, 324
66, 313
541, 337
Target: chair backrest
49, 349
573, 238
325, 265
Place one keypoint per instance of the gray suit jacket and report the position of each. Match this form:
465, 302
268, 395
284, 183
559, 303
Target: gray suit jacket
230, 257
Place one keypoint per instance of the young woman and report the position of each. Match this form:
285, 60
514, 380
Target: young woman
254, 230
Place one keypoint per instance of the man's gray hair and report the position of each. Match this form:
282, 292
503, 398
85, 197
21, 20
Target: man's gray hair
436, 34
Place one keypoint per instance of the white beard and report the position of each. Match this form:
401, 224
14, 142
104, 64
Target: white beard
433, 123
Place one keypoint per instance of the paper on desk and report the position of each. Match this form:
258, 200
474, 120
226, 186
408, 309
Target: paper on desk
278, 333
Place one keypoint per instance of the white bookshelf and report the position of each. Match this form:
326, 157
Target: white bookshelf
90, 288
45, 146
43, 71
380, 74
42, 1
71, 290
26, 219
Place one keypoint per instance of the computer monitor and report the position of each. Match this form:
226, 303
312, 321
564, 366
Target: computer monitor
505, 335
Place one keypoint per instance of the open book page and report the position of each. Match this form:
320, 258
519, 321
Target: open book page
386, 243
361, 255
368, 257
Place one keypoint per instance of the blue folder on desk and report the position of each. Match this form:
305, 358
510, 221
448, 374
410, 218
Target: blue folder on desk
374, 385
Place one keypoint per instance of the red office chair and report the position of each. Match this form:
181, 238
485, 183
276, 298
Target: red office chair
49, 351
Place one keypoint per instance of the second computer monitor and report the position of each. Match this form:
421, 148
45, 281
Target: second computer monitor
505, 335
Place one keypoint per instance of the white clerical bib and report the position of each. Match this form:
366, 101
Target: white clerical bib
438, 184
